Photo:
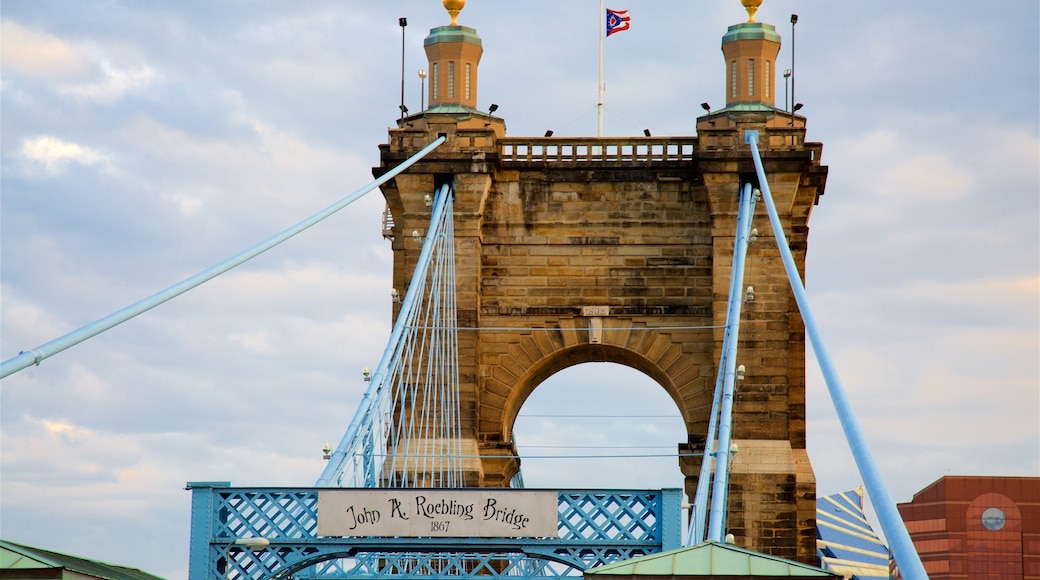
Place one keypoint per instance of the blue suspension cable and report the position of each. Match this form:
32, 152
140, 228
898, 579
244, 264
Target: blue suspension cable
698, 523
38, 354
422, 380
902, 546
699, 518
366, 414
720, 484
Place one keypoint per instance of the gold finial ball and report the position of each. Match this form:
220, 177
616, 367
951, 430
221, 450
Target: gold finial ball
455, 6
750, 5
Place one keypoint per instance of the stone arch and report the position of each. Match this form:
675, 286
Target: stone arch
600, 425
539, 353
576, 355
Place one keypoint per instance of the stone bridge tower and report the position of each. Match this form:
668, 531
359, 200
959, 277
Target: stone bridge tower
573, 250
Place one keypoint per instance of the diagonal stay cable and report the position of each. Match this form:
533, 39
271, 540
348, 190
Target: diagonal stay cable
36, 355
902, 546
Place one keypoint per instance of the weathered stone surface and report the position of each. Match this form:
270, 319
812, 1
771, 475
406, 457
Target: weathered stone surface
643, 231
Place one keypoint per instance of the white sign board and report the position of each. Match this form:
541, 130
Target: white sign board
476, 513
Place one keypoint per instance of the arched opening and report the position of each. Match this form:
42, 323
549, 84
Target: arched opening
599, 425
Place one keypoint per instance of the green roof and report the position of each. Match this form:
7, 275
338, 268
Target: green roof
452, 34
19, 557
710, 559
751, 31
451, 109
749, 107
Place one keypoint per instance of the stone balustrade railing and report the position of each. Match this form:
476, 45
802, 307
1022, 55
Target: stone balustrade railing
584, 150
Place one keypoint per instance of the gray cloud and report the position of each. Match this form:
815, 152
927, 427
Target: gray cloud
164, 138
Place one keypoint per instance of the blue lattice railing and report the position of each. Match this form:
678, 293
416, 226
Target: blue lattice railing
595, 527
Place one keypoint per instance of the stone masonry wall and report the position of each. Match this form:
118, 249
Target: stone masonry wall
572, 251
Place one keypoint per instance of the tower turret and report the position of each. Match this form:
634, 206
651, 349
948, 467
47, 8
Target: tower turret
750, 49
454, 53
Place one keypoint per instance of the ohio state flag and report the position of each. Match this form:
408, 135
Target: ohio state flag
617, 20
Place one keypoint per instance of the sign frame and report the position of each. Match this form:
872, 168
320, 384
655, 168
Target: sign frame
438, 513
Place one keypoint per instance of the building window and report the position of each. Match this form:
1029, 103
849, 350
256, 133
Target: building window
767, 78
434, 84
451, 80
733, 78
751, 77
467, 80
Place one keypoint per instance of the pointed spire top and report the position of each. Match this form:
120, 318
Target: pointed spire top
455, 6
750, 5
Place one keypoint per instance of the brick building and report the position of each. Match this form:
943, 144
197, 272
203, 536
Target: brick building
977, 528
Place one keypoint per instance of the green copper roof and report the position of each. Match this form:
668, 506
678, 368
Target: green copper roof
20, 557
748, 107
711, 559
452, 34
451, 109
751, 31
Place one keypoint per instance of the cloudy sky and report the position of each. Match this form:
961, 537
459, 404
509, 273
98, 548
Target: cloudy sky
143, 142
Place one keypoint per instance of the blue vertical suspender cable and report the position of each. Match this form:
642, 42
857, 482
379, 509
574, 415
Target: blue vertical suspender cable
370, 400
902, 546
38, 354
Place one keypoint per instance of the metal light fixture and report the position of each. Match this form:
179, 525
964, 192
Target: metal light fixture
754, 235
326, 452
422, 90
492, 108
255, 544
395, 296
749, 294
428, 200
549, 133
794, 20
787, 87
403, 22
646, 133
365, 373
741, 372
706, 107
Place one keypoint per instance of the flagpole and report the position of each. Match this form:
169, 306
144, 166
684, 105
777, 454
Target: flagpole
599, 87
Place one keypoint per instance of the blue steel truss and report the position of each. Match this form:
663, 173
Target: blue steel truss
595, 527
